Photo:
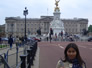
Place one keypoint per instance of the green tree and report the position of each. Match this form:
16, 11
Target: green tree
90, 28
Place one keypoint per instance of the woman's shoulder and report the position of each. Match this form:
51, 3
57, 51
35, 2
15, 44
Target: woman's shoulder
60, 61
60, 64
63, 62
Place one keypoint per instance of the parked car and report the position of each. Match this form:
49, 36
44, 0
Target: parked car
37, 39
32, 39
89, 39
4, 39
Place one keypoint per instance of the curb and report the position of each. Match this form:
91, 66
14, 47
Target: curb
36, 61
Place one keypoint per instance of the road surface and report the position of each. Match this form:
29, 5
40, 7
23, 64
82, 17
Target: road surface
50, 53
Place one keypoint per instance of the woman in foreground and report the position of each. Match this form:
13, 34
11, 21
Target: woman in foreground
72, 58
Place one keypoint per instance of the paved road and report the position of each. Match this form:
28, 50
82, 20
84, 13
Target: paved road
50, 53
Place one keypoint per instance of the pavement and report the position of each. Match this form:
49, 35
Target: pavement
12, 61
36, 61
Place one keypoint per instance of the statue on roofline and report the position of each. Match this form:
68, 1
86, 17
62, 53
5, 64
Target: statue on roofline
57, 2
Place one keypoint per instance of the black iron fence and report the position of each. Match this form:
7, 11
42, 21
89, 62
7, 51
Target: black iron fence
20, 57
28, 58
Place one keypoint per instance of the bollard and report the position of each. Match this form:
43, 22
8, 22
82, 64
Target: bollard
34, 50
35, 47
28, 58
31, 55
23, 59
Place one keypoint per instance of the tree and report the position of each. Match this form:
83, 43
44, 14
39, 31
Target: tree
90, 28
85, 32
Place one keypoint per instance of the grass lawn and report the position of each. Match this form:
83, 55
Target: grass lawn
2, 46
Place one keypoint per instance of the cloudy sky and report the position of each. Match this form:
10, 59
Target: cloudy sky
69, 9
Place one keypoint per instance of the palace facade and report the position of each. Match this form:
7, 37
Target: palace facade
16, 25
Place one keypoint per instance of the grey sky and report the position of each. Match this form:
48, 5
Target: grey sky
36, 8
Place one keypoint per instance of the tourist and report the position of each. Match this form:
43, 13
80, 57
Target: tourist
47, 38
17, 41
10, 41
55, 36
0, 39
72, 58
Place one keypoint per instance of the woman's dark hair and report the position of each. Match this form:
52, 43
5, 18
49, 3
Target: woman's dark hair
73, 45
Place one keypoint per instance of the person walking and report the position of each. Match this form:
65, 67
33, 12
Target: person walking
55, 36
17, 41
47, 38
50, 38
72, 58
22, 40
10, 41
0, 39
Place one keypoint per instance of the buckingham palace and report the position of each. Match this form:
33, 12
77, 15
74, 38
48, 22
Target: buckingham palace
16, 25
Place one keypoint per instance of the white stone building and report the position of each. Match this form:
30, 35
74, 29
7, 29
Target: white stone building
16, 25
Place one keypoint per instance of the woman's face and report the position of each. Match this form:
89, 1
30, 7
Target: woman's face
71, 53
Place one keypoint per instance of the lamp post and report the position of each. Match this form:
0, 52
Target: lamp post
12, 27
25, 13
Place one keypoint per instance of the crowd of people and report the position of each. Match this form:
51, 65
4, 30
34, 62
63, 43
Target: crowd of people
63, 38
19, 41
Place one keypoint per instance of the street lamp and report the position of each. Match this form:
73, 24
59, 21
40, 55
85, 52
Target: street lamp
25, 13
12, 27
